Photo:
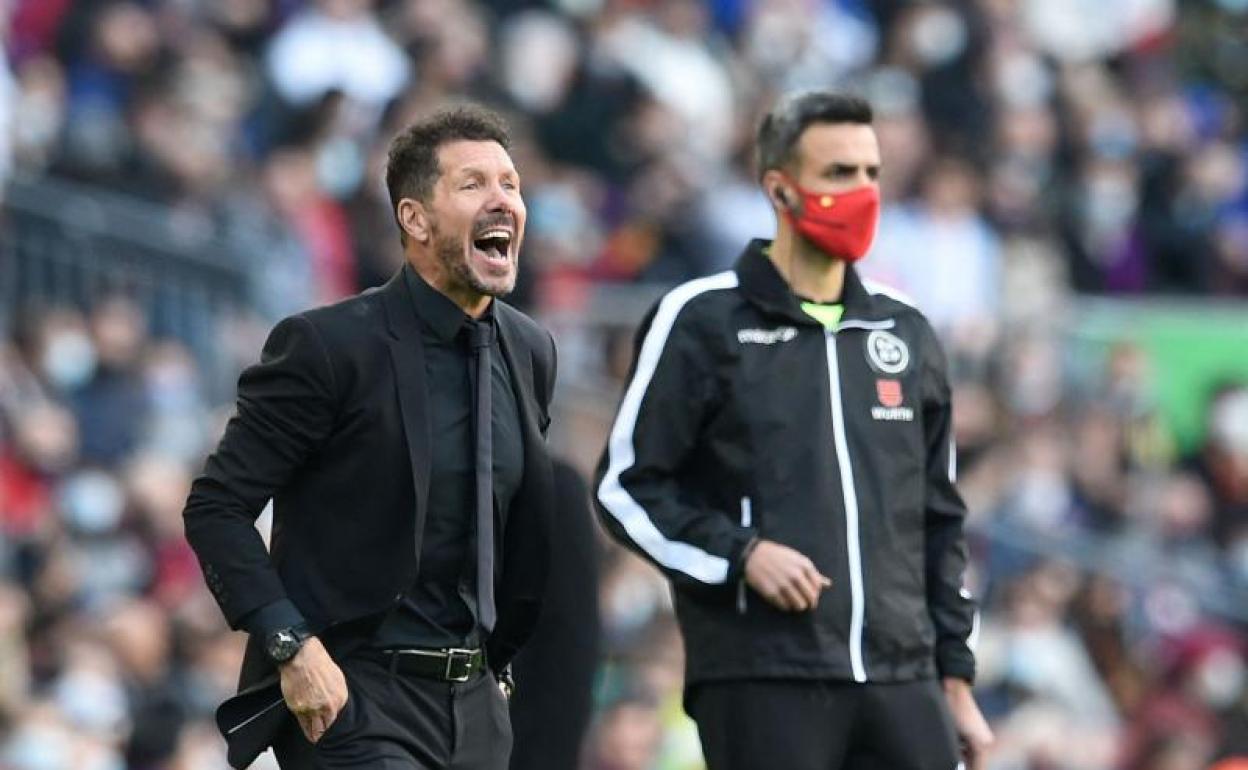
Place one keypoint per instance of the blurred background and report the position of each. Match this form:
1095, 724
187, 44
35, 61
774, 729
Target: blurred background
1066, 197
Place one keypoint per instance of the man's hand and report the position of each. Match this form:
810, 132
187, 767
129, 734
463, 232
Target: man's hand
314, 688
784, 577
973, 731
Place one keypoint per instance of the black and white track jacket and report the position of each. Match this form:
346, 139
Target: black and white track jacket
745, 418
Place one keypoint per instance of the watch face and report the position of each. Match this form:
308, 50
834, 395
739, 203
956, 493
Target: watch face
283, 645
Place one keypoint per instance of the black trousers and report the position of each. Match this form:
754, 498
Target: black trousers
815, 725
394, 721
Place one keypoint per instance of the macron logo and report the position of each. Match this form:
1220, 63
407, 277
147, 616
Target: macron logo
766, 336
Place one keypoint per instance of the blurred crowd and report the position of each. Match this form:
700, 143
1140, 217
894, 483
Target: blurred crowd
1034, 151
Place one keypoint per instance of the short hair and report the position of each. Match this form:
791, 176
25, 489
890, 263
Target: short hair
412, 167
781, 129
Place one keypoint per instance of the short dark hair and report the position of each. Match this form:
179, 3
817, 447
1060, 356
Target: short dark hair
781, 129
412, 167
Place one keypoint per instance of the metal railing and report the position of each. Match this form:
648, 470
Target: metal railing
64, 243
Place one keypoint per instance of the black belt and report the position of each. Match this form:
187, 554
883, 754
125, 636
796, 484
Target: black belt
451, 664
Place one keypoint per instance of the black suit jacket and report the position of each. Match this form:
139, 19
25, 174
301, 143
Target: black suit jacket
333, 425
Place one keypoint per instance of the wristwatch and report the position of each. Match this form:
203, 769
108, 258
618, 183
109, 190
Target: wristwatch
284, 643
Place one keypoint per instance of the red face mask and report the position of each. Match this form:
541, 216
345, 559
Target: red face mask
841, 225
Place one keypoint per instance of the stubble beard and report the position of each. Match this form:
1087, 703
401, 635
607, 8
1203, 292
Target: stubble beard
450, 252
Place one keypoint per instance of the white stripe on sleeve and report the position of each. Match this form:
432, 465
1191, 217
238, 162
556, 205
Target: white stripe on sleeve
672, 554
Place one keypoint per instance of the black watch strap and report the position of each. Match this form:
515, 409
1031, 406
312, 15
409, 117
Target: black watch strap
284, 643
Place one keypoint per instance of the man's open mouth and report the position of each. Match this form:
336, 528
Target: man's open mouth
494, 243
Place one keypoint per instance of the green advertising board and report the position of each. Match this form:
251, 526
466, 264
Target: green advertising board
1191, 347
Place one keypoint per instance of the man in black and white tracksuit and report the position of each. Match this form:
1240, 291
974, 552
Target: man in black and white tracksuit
783, 453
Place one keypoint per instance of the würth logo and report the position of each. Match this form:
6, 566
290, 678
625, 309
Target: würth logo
889, 392
892, 413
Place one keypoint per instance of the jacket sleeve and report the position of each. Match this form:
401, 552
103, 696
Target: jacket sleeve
638, 489
952, 608
285, 411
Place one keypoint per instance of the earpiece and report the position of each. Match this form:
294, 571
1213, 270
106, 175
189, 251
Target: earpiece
780, 196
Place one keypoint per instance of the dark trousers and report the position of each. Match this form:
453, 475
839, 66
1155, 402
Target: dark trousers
814, 725
395, 721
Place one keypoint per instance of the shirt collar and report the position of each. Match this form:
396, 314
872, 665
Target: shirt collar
762, 283
436, 310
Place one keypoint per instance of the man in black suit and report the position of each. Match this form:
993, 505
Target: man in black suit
400, 435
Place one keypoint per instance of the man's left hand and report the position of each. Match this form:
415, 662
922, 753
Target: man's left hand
973, 731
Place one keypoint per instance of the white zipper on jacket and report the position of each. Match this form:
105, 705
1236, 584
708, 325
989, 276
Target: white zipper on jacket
747, 519
852, 545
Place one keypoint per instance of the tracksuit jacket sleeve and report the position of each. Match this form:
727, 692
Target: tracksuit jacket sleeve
952, 609
638, 488
285, 411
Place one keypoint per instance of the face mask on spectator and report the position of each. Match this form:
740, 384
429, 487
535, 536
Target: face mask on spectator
340, 167
93, 702
92, 502
38, 747
938, 36
1109, 205
1219, 678
172, 386
69, 360
631, 603
1229, 423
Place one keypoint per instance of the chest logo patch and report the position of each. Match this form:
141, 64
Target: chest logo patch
887, 353
889, 392
766, 336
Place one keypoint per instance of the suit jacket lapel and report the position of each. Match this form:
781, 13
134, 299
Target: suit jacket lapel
536, 487
527, 532
408, 357
520, 365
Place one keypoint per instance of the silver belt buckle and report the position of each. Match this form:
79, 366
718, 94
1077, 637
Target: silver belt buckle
451, 653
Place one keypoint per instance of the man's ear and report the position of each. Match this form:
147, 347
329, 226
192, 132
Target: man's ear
775, 186
414, 219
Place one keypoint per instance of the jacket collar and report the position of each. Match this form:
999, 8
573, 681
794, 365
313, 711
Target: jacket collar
403, 323
762, 285
438, 312
401, 319
410, 301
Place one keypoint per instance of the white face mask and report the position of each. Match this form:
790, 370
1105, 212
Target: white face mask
1220, 677
1229, 422
93, 701
340, 167
938, 36
631, 602
38, 747
92, 502
69, 360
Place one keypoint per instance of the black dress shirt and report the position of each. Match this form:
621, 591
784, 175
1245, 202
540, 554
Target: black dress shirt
439, 610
